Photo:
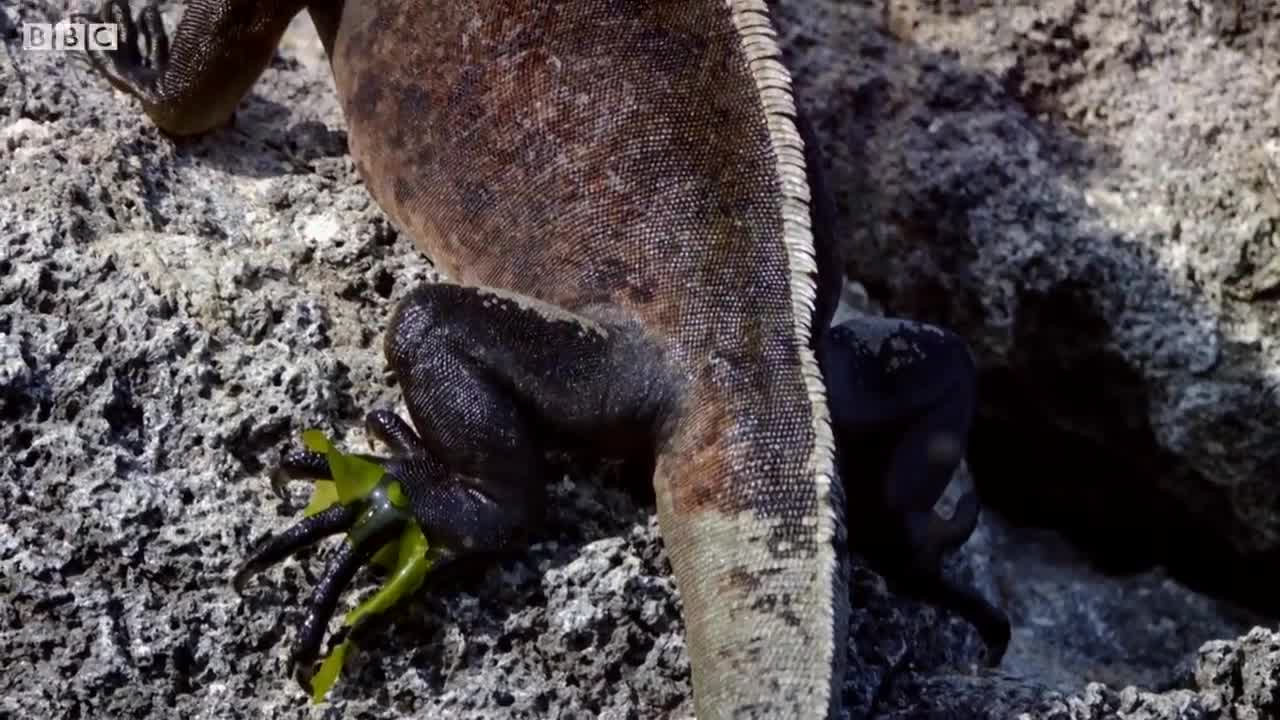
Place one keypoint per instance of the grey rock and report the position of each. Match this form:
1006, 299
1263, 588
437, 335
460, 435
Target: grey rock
1087, 191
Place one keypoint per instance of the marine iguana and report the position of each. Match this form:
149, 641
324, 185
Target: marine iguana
628, 205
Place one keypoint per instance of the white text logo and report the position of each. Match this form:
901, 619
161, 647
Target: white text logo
69, 36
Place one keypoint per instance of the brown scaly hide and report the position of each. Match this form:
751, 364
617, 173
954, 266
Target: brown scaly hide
642, 156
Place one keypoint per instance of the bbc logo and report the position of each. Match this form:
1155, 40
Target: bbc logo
69, 36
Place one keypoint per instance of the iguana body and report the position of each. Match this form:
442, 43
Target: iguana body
622, 199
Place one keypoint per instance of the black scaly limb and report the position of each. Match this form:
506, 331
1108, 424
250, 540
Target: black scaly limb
370, 522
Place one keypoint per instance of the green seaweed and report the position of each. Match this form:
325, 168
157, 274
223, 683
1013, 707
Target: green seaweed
353, 476
323, 495
412, 565
408, 559
329, 670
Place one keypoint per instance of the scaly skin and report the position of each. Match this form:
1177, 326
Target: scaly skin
622, 198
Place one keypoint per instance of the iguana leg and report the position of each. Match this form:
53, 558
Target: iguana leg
492, 381
902, 399
220, 49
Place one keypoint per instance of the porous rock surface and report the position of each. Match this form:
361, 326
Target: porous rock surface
173, 314
1090, 192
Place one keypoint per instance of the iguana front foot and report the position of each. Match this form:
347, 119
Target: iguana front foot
374, 512
491, 380
382, 504
931, 538
199, 92
902, 400
142, 49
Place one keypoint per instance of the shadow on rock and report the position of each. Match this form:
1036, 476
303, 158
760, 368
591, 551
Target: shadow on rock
982, 187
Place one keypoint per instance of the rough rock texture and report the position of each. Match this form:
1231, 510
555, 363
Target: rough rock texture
173, 314
1090, 192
